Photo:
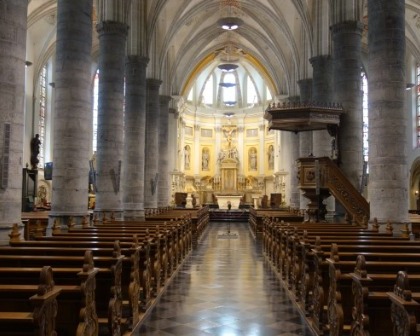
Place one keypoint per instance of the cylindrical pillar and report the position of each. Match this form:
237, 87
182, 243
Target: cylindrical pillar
134, 137
388, 172
305, 138
322, 92
163, 186
347, 84
294, 155
13, 17
73, 109
151, 172
112, 45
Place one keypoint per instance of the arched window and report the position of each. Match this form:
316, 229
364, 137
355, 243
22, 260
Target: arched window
95, 111
229, 89
365, 118
42, 113
418, 103
251, 92
208, 91
268, 94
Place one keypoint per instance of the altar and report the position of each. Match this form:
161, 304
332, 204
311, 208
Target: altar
223, 201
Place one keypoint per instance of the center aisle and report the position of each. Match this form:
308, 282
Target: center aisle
225, 288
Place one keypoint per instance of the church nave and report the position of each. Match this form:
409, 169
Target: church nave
225, 288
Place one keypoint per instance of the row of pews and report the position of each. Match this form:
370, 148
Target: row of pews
257, 217
345, 279
99, 278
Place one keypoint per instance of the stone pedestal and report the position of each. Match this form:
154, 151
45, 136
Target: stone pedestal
189, 204
256, 201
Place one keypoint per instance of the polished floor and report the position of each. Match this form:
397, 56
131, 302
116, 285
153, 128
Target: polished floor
225, 288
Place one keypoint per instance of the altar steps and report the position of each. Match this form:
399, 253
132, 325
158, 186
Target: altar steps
237, 215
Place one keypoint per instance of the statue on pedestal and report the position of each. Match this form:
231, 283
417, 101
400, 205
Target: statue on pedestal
35, 148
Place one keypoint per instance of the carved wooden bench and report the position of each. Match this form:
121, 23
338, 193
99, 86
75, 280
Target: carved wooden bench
331, 282
136, 283
19, 269
39, 318
371, 305
76, 314
405, 307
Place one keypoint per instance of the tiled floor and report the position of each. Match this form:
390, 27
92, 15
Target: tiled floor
225, 288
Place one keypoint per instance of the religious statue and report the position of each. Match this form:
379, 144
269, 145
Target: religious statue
253, 159
187, 157
271, 157
229, 133
35, 148
205, 159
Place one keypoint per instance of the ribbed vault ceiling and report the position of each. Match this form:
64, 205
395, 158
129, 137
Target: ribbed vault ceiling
279, 35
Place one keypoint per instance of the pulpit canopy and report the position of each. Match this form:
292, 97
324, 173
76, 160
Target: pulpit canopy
300, 117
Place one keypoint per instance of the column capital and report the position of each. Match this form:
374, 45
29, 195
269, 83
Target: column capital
112, 27
153, 83
321, 60
305, 81
347, 27
137, 59
164, 100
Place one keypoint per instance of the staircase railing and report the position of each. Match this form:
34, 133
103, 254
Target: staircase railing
341, 188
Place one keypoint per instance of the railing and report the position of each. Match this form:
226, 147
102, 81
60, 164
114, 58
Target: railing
332, 178
341, 188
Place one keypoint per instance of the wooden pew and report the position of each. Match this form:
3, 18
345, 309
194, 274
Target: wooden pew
34, 222
41, 319
314, 304
199, 218
174, 236
405, 307
371, 305
78, 240
108, 281
76, 310
165, 254
136, 290
319, 278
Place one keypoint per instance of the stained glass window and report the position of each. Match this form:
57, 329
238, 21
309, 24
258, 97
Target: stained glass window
42, 113
418, 103
95, 111
365, 118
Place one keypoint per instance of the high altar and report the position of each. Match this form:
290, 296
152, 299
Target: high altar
229, 197
230, 166
229, 182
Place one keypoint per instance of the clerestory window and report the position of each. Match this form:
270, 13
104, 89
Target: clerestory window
42, 113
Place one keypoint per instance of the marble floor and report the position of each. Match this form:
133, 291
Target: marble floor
225, 288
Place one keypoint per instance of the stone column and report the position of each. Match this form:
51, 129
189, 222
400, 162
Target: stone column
322, 92
163, 186
346, 38
73, 110
388, 172
240, 136
112, 43
218, 145
151, 169
13, 16
294, 155
261, 151
305, 138
134, 139
196, 151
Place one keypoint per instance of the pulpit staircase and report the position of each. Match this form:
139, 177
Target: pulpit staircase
320, 177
